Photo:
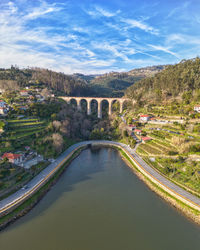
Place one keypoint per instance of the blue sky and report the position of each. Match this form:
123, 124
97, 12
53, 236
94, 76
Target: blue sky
90, 37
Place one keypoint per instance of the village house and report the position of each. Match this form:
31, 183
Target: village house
3, 111
13, 158
145, 139
2, 104
138, 131
197, 108
144, 118
24, 93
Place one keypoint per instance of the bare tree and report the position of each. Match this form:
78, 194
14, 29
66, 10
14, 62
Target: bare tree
56, 125
46, 93
66, 128
57, 141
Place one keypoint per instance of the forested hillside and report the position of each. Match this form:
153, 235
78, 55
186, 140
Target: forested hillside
180, 82
116, 83
109, 85
60, 82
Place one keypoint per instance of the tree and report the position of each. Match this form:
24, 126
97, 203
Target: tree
56, 125
45, 93
57, 141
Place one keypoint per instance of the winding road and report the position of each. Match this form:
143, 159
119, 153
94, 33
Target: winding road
18, 197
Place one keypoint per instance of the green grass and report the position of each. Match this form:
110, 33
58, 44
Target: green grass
150, 150
24, 124
22, 120
159, 147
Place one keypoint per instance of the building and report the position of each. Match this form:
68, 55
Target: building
2, 104
138, 131
13, 158
24, 93
145, 139
3, 111
144, 118
197, 108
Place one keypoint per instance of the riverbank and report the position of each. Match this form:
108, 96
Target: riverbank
183, 201
188, 211
27, 205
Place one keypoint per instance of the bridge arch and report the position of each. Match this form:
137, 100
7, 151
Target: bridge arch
99, 101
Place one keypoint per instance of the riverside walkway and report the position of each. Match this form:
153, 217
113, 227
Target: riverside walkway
38, 181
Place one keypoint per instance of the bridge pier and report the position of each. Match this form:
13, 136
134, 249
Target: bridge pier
79, 104
99, 109
110, 107
88, 107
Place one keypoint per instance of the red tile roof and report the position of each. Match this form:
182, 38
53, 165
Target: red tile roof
144, 115
146, 138
11, 156
138, 130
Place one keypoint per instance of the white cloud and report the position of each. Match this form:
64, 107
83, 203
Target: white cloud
107, 13
178, 9
42, 10
99, 11
13, 8
174, 39
140, 25
164, 49
116, 50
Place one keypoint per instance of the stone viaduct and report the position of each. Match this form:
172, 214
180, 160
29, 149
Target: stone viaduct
99, 101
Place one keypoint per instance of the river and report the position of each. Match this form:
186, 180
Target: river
99, 204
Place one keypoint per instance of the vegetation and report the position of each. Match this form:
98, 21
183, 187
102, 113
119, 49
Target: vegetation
175, 82
112, 84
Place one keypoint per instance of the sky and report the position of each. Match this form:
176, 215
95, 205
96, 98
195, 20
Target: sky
95, 37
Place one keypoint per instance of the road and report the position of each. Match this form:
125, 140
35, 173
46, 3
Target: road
49, 171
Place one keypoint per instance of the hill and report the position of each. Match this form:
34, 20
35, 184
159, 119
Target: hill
115, 83
14, 78
180, 82
110, 85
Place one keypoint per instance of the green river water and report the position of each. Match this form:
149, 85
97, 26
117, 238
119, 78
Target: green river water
99, 204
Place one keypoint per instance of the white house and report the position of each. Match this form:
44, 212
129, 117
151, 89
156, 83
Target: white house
13, 158
144, 118
197, 108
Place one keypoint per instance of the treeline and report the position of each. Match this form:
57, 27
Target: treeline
14, 78
69, 84
180, 81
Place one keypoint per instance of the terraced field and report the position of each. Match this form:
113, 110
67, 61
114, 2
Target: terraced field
148, 149
18, 129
